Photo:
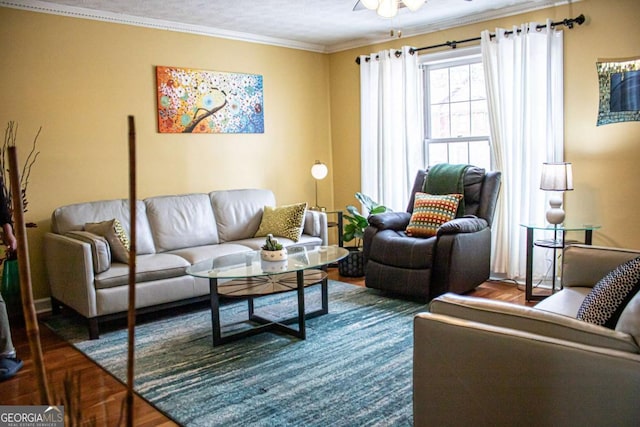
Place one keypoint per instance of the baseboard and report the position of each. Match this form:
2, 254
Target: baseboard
43, 305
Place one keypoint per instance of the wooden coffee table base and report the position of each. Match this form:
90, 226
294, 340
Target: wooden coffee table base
255, 287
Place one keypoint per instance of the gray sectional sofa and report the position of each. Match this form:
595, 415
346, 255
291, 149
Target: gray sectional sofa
173, 232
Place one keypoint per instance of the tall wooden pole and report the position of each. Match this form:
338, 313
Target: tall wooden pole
26, 290
132, 270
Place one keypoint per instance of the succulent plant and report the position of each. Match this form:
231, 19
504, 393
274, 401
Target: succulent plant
271, 244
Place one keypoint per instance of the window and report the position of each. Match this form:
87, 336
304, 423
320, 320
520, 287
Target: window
456, 118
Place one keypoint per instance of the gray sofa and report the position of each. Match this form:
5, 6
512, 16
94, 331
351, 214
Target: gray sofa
173, 232
485, 363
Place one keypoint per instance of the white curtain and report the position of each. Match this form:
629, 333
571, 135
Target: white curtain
524, 78
391, 126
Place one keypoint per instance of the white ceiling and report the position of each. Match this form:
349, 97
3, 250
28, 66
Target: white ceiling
316, 25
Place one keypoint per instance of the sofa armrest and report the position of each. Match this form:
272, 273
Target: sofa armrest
532, 320
315, 224
397, 221
467, 224
584, 265
468, 373
70, 273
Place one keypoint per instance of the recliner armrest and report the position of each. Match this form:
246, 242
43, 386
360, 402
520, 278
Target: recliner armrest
531, 320
390, 220
466, 224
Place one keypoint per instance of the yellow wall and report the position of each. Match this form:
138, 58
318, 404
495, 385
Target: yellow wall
80, 79
605, 158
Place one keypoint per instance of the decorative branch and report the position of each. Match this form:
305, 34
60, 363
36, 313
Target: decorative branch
28, 307
10, 138
208, 113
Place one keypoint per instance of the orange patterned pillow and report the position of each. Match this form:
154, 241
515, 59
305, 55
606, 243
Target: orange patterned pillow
430, 211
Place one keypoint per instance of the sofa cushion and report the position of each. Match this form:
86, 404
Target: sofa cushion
74, 217
238, 212
609, 296
113, 232
430, 211
148, 268
567, 302
100, 250
284, 221
202, 253
181, 221
629, 321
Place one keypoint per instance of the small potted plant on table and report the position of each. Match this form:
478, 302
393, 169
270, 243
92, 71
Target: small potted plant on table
353, 264
272, 250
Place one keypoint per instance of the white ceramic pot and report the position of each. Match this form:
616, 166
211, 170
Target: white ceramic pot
274, 266
280, 255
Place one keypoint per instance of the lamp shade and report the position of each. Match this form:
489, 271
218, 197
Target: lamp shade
319, 170
556, 177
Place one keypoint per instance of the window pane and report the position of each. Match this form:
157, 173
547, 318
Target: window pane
439, 86
460, 119
478, 90
439, 121
459, 83
480, 154
459, 152
438, 154
479, 118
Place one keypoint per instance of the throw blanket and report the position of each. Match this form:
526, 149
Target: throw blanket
445, 178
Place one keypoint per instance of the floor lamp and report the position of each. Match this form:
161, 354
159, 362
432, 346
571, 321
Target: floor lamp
318, 171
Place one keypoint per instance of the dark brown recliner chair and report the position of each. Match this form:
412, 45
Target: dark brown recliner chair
456, 260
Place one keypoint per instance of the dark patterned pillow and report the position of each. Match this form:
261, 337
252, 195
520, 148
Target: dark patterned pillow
606, 301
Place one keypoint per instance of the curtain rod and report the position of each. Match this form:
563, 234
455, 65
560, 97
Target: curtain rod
567, 22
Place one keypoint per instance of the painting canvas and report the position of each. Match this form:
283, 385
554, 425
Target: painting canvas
619, 82
199, 101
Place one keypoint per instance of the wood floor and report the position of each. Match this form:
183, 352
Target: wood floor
102, 394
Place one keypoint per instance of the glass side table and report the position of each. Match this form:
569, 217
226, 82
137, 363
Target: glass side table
558, 242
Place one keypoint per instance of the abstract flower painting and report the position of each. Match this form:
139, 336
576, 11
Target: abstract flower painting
198, 101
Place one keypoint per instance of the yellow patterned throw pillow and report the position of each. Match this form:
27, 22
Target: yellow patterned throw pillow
430, 211
115, 234
284, 221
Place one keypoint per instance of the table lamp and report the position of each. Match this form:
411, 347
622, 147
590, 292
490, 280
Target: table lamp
318, 171
556, 177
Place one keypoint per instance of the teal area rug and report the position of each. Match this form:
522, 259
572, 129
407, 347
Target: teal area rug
354, 368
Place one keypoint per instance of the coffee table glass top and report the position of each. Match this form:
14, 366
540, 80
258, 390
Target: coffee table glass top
249, 264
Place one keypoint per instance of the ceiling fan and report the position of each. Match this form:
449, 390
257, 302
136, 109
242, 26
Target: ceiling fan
388, 8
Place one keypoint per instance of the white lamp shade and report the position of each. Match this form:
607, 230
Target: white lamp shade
413, 5
370, 4
388, 8
319, 170
556, 177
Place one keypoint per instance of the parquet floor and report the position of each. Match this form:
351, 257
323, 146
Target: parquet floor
102, 394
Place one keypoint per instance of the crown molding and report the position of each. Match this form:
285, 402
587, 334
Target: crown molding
84, 13
116, 18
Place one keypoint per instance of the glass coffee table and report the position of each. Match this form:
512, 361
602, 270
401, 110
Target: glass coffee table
245, 275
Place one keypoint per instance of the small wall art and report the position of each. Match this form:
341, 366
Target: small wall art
619, 82
199, 101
